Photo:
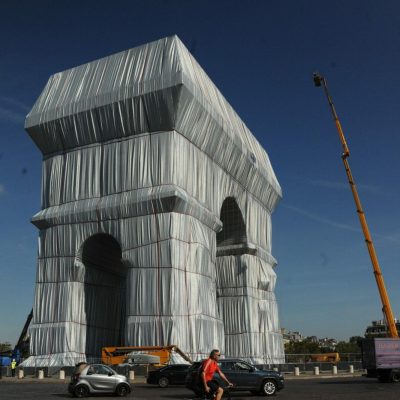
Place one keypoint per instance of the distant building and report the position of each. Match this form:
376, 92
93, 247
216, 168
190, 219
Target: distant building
328, 343
294, 336
290, 336
380, 329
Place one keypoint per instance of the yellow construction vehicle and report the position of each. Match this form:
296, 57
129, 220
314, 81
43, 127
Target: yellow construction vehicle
164, 354
325, 357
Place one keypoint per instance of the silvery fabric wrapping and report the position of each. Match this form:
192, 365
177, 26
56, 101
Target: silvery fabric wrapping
155, 226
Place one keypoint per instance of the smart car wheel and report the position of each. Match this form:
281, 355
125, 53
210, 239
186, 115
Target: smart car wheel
122, 390
163, 382
268, 387
81, 391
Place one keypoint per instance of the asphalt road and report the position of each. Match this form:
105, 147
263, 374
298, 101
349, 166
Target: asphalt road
356, 388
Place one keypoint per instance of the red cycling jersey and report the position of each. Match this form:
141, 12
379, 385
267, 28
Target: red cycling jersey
209, 367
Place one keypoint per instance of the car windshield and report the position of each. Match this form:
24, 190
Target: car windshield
195, 365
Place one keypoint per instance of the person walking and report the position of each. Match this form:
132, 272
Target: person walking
13, 367
208, 368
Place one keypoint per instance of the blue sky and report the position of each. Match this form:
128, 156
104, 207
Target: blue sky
261, 55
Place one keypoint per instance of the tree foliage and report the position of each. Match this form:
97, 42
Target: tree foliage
352, 346
5, 346
308, 346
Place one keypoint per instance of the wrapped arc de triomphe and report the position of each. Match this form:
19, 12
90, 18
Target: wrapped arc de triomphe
155, 225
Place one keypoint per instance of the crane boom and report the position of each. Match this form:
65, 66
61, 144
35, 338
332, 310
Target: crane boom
386, 307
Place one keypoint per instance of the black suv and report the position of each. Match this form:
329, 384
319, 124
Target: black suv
173, 374
244, 376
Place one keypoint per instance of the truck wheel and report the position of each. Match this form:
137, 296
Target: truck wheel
81, 391
395, 376
268, 387
163, 382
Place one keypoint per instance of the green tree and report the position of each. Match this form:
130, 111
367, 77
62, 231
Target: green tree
352, 346
356, 339
304, 347
5, 346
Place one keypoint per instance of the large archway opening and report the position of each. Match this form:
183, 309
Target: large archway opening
105, 292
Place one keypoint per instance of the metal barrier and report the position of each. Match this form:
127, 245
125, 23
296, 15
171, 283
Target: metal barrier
293, 363
349, 362
305, 358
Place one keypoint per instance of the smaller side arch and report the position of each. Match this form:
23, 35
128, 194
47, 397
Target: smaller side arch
234, 229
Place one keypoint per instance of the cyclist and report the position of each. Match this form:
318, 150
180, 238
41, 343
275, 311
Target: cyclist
208, 368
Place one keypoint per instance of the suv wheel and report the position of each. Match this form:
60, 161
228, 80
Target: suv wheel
268, 387
122, 390
81, 391
163, 382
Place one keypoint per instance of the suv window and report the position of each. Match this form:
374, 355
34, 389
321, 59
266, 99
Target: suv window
241, 366
226, 366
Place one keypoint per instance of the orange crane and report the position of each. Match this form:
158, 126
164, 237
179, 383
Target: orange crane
386, 308
114, 355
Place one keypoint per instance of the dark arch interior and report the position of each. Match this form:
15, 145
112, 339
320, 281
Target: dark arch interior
233, 230
105, 293
103, 252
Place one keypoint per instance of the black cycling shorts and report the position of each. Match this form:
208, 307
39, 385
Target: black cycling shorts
213, 385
